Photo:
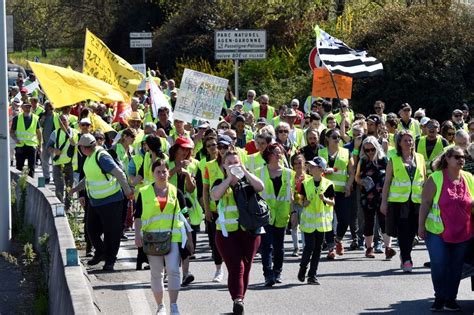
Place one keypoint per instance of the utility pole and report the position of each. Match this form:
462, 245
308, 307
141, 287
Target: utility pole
5, 198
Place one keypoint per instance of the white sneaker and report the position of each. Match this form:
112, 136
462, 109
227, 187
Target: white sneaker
174, 309
161, 310
218, 276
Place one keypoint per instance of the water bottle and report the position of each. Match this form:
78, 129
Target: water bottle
237, 171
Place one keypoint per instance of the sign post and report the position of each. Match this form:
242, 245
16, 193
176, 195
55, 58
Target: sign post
240, 45
141, 40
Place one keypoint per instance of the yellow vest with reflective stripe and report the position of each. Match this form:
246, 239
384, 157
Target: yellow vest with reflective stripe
155, 220
98, 186
26, 136
317, 215
254, 161
279, 203
64, 158
228, 213
340, 176
270, 112
148, 177
215, 173
195, 212
437, 150
401, 187
413, 128
434, 223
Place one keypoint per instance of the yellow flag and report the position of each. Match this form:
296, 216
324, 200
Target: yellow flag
65, 87
101, 63
97, 123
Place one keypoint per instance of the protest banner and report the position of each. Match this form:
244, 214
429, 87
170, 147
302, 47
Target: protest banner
200, 97
101, 63
141, 67
324, 87
65, 87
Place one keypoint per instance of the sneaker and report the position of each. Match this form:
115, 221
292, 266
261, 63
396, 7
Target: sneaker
313, 280
452, 306
378, 248
407, 266
389, 253
218, 276
95, 260
302, 274
192, 257
269, 282
278, 279
187, 279
174, 309
339, 248
108, 267
238, 308
161, 310
427, 264
354, 245
331, 254
369, 253
124, 237
438, 305
295, 253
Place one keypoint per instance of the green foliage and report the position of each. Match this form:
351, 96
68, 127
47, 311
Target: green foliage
428, 57
10, 258
57, 56
29, 254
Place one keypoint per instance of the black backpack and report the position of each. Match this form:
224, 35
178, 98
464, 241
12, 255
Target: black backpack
254, 212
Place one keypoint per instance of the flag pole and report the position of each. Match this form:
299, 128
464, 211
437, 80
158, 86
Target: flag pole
334, 84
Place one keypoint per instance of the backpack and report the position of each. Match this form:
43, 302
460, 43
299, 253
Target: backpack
254, 211
114, 156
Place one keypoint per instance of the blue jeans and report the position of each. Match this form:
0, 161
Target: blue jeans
272, 251
446, 265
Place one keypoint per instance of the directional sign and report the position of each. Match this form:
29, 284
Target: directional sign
140, 43
141, 35
240, 55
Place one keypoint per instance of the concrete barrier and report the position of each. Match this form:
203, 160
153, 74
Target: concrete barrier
69, 290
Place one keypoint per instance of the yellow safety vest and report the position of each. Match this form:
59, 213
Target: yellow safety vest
215, 173
155, 220
60, 139
227, 221
279, 203
98, 185
434, 223
270, 112
413, 127
317, 215
340, 176
437, 150
195, 212
402, 187
254, 161
122, 155
26, 136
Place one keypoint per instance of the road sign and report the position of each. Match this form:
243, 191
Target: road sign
140, 43
141, 35
314, 60
240, 55
240, 40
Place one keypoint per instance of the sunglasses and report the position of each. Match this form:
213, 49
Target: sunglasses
450, 134
369, 150
283, 131
432, 126
458, 157
377, 108
407, 110
458, 115
222, 147
100, 139
265, 103
212, 145
85, 124
223, 127
336, 137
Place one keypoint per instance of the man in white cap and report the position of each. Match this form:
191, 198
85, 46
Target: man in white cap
458, 121
250, 102
295, 104
106, 186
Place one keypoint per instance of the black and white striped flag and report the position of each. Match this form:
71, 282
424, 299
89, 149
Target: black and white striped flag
339, 58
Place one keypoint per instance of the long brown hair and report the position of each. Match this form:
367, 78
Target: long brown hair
398, 140
440, 162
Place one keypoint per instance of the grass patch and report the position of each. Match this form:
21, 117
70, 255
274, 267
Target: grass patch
57, 56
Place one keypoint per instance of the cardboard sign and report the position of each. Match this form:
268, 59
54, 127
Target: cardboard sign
324, 87
200, 97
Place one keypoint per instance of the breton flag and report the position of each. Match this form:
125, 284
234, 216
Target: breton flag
339, 58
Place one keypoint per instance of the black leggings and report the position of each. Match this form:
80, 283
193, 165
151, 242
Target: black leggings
312, 251
369, 220
211, 233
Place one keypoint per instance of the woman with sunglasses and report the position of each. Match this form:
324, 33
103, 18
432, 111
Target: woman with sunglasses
448, 131
289, 147
213, 172
370, 176
445, 222
159, 209
123, 148
238, 247
279, 185
401, 195
340, 172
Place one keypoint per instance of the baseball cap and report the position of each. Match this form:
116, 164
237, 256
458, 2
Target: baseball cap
204, 124
424, 121
262, 120
17, 101
238, 103
318, 161
405, 105
290, 112
85, 121
374, 118
457, 111
23, 90
344, 102
87, 140
224, 139
184, 142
